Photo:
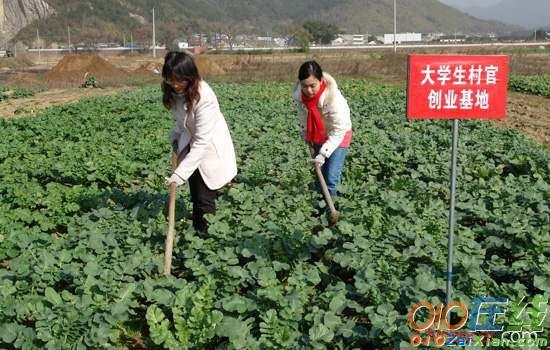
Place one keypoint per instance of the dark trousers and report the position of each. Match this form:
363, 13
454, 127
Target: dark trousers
203, 200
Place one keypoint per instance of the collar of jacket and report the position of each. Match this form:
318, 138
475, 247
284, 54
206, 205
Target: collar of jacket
326, 97
182, 101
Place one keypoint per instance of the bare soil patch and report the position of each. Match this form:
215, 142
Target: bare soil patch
9, 63
29, 106
530, 114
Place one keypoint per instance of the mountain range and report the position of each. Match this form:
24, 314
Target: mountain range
111, 20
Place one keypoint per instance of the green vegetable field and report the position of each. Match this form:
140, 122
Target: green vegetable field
535, 85
83, 221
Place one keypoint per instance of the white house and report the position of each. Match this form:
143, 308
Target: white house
350, 39
358, 39
338, 41
403, 38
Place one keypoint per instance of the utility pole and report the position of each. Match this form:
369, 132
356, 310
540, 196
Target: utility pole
38, 43
154, 37
69, 37
394, 25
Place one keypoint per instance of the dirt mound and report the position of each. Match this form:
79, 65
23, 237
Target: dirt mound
207, 67
75, 68
149, 69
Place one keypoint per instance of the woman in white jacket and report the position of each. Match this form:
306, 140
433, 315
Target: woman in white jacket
200, 136
324, 120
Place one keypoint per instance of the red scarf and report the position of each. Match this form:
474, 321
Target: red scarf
315, 126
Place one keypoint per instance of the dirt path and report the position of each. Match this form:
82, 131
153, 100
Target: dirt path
29, 106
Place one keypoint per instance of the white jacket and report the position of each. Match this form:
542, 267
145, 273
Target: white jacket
204, 129
334, 109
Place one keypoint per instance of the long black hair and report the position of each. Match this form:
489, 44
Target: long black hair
309, 68
182, 66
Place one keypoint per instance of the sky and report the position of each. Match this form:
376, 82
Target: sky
466, 3
530, 14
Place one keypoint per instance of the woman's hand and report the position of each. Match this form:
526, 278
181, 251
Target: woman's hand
318, 160
175, 178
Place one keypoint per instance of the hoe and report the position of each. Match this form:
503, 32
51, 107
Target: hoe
333, 214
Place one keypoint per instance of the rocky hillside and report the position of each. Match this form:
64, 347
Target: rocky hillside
17, 14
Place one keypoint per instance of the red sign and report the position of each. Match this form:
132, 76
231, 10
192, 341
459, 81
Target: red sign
457, 87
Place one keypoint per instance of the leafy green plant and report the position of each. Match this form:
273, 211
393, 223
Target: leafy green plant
194, 320
536, 85
90, 82
82, 227
25, 93
6, 93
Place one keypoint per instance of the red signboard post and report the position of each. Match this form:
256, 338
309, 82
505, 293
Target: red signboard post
456, 87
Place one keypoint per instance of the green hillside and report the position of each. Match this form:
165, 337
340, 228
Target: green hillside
109, 20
